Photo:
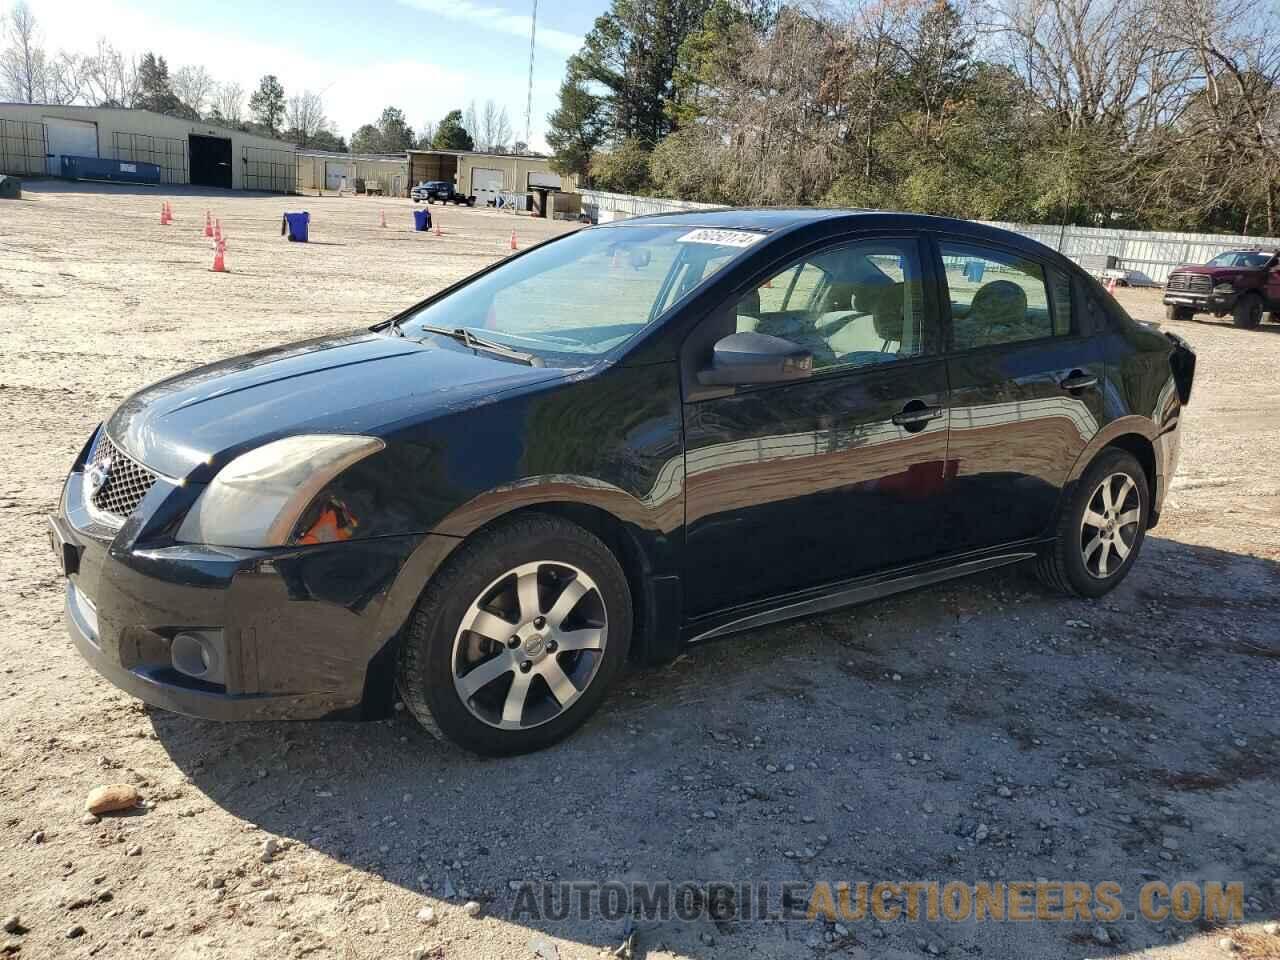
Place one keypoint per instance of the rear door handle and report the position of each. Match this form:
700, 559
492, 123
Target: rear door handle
917, 416
1079, 381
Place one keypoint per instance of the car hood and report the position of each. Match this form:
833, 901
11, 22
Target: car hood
189, 425
1205, 270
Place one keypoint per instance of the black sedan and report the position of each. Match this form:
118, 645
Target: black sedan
624, 440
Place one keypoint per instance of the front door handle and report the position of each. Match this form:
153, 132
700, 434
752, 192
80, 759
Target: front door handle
1078, 381
915, 415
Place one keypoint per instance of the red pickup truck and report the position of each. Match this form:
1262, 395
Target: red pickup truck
1243, 283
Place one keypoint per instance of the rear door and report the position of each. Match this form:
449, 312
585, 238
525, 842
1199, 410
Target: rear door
803, 484
1026, 391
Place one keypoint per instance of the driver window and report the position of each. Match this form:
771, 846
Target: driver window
854, 305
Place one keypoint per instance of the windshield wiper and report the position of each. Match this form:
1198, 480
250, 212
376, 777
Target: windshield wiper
465, 336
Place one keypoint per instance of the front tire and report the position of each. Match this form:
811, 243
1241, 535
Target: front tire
1101, 528
1178, 313
1248, 312
516, 640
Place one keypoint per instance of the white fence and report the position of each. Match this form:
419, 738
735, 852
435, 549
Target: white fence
1147, 256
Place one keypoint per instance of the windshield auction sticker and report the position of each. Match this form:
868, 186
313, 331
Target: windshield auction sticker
721, 238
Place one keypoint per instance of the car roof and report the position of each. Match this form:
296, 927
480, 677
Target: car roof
774, 220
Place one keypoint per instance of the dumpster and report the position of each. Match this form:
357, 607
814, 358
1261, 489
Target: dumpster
294, 226
422, 220
118, 171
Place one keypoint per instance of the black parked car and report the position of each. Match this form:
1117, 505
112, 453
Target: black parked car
618, 442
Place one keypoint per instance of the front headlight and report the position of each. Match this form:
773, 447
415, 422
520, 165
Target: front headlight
1223, 288
257, 498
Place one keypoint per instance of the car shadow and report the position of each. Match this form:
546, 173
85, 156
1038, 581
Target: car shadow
985, 729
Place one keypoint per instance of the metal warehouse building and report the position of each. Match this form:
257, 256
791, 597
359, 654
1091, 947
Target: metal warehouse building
35, 139
319, 170
487, 175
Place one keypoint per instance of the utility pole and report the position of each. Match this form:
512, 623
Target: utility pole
528, 109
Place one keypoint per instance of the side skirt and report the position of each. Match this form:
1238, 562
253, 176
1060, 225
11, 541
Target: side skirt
845, 594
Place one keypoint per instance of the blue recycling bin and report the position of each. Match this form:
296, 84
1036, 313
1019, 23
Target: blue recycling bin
294, 226
422, 220
973, 271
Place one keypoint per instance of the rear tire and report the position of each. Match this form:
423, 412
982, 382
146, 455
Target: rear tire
562, 604
1100, 529
1248, 312
1178, 313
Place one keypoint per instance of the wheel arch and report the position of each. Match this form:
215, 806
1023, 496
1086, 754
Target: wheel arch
638, 534
622, 543
1134, 435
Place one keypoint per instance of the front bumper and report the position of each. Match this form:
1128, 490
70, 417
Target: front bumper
305, 631
1201, 302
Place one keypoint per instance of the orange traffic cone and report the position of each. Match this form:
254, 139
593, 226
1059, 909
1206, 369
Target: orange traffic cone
219, 258
438, 233
384, 217
217, 231
514, 246
164, 214
1111, 284
208, 224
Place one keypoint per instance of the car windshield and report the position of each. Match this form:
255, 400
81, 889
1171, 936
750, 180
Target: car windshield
587, 293
1240, 260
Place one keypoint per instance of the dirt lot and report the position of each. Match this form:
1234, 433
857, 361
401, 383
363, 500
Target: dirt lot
985, 731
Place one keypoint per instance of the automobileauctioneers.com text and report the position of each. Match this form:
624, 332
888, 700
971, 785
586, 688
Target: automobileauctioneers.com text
885, 901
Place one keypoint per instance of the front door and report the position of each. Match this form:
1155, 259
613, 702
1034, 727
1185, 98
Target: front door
1026, 393
1272, 291
808, 483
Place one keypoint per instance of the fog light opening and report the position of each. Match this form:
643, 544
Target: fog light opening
198, 655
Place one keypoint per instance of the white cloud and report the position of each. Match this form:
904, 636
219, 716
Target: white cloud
497, 18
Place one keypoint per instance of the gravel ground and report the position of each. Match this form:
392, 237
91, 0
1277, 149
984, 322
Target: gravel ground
983, 731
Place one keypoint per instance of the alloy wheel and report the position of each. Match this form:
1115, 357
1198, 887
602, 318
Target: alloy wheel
529, 645
1109, 527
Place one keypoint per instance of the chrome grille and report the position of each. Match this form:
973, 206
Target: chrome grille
1190, 282
127, 480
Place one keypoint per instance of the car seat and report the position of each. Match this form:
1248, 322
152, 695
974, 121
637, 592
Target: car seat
997, 314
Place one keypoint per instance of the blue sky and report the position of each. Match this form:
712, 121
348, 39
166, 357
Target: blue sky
424, 56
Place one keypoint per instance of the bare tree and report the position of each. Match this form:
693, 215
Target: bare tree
109, 77
228, 102
1095, 65
1229, 138
426, 134
23, 66
304, 117
494, 129
471, 123
66, 78
194, 86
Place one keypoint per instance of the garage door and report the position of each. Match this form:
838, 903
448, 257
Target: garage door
486, 184
550, 181
70, 138
333, 175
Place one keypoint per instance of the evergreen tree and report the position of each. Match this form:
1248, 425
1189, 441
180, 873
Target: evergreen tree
267, 103
451, 134
576, 128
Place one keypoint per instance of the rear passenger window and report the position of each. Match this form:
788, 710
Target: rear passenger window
998, 297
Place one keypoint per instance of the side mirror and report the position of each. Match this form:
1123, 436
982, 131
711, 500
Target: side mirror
742, 358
